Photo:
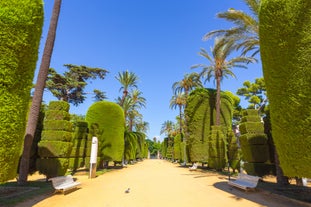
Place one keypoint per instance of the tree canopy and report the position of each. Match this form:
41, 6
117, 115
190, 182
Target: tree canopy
70, 86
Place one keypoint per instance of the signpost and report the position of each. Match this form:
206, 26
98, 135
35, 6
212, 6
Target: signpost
93, 158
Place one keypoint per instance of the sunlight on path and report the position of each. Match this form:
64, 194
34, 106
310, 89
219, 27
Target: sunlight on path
158, 183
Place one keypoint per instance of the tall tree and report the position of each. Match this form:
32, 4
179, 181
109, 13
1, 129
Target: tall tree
188, 83
70, 86
255, 92
221, 67
127, 80
167, 128
178, 100
38, 93
246, 29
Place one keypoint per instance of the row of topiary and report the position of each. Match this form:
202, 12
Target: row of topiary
65, 145
218, 145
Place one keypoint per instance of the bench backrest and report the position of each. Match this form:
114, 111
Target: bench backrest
61, 180
248, 178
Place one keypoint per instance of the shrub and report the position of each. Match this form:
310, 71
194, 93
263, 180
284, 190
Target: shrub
20, 32
285, 47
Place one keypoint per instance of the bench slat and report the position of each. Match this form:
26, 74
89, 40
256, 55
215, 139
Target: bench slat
245, 181
64, 183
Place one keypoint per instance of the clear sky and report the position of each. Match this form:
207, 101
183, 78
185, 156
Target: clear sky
158, 40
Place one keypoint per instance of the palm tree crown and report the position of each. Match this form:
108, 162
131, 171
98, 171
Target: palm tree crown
246, 29
219, 66
127, 80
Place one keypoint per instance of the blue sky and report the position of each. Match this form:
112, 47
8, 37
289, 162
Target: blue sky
158, 40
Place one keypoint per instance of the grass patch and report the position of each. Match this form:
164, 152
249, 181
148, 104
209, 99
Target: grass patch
11, 193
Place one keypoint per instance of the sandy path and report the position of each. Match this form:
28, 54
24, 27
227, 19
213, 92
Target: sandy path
158, 183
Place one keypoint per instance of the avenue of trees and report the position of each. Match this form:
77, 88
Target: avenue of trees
282, 95
206, 126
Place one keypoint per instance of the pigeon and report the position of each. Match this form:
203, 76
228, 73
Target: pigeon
127, 191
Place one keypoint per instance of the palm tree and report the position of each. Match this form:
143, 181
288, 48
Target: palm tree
246, 30
189, 82
127, 80
142, 126
167, 128
221, 67
178, 100
38, 93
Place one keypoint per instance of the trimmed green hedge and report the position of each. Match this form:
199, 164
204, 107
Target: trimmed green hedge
20, 32
251, 127
55, 147
251, 138
110, 119
57, 115
57, 135
80, 146
178, 151
285, 47
57, 125
259, 169
201, 115
52, 149
253, 141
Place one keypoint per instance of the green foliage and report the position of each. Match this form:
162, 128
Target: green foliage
57, 115
59, 106
254, 92
200, 112
57, 125
55, 146
285, 51
20, 32
131, 145
140, 145
109, 117
178, 151
57, 135
52, 149
217, 148
70, 86
153, 147
253, 141
259, 169
53, 167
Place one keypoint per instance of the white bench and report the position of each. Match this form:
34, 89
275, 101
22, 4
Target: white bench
193, 167
245, 181
64, 183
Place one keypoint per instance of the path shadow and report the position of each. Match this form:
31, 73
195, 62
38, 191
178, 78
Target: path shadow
258, 196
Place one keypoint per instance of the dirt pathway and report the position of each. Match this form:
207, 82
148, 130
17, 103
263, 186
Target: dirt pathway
158, 183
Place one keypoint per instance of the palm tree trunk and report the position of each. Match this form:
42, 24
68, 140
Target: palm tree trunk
218, 78
37, 98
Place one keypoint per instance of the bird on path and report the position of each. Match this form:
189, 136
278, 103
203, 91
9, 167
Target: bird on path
127, 191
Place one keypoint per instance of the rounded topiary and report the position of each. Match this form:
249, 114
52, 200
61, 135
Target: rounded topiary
201, 115
285, 48
20, 32
109, 117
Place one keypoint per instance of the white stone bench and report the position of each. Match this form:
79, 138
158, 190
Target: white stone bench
245, 181
64, 183
193, 167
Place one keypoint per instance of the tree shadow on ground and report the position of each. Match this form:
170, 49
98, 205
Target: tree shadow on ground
260, 196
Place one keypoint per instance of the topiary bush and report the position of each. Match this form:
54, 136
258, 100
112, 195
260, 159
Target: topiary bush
20, 32
285, 48
201, 115
109, 117
77, 157
55, 146
254, 146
